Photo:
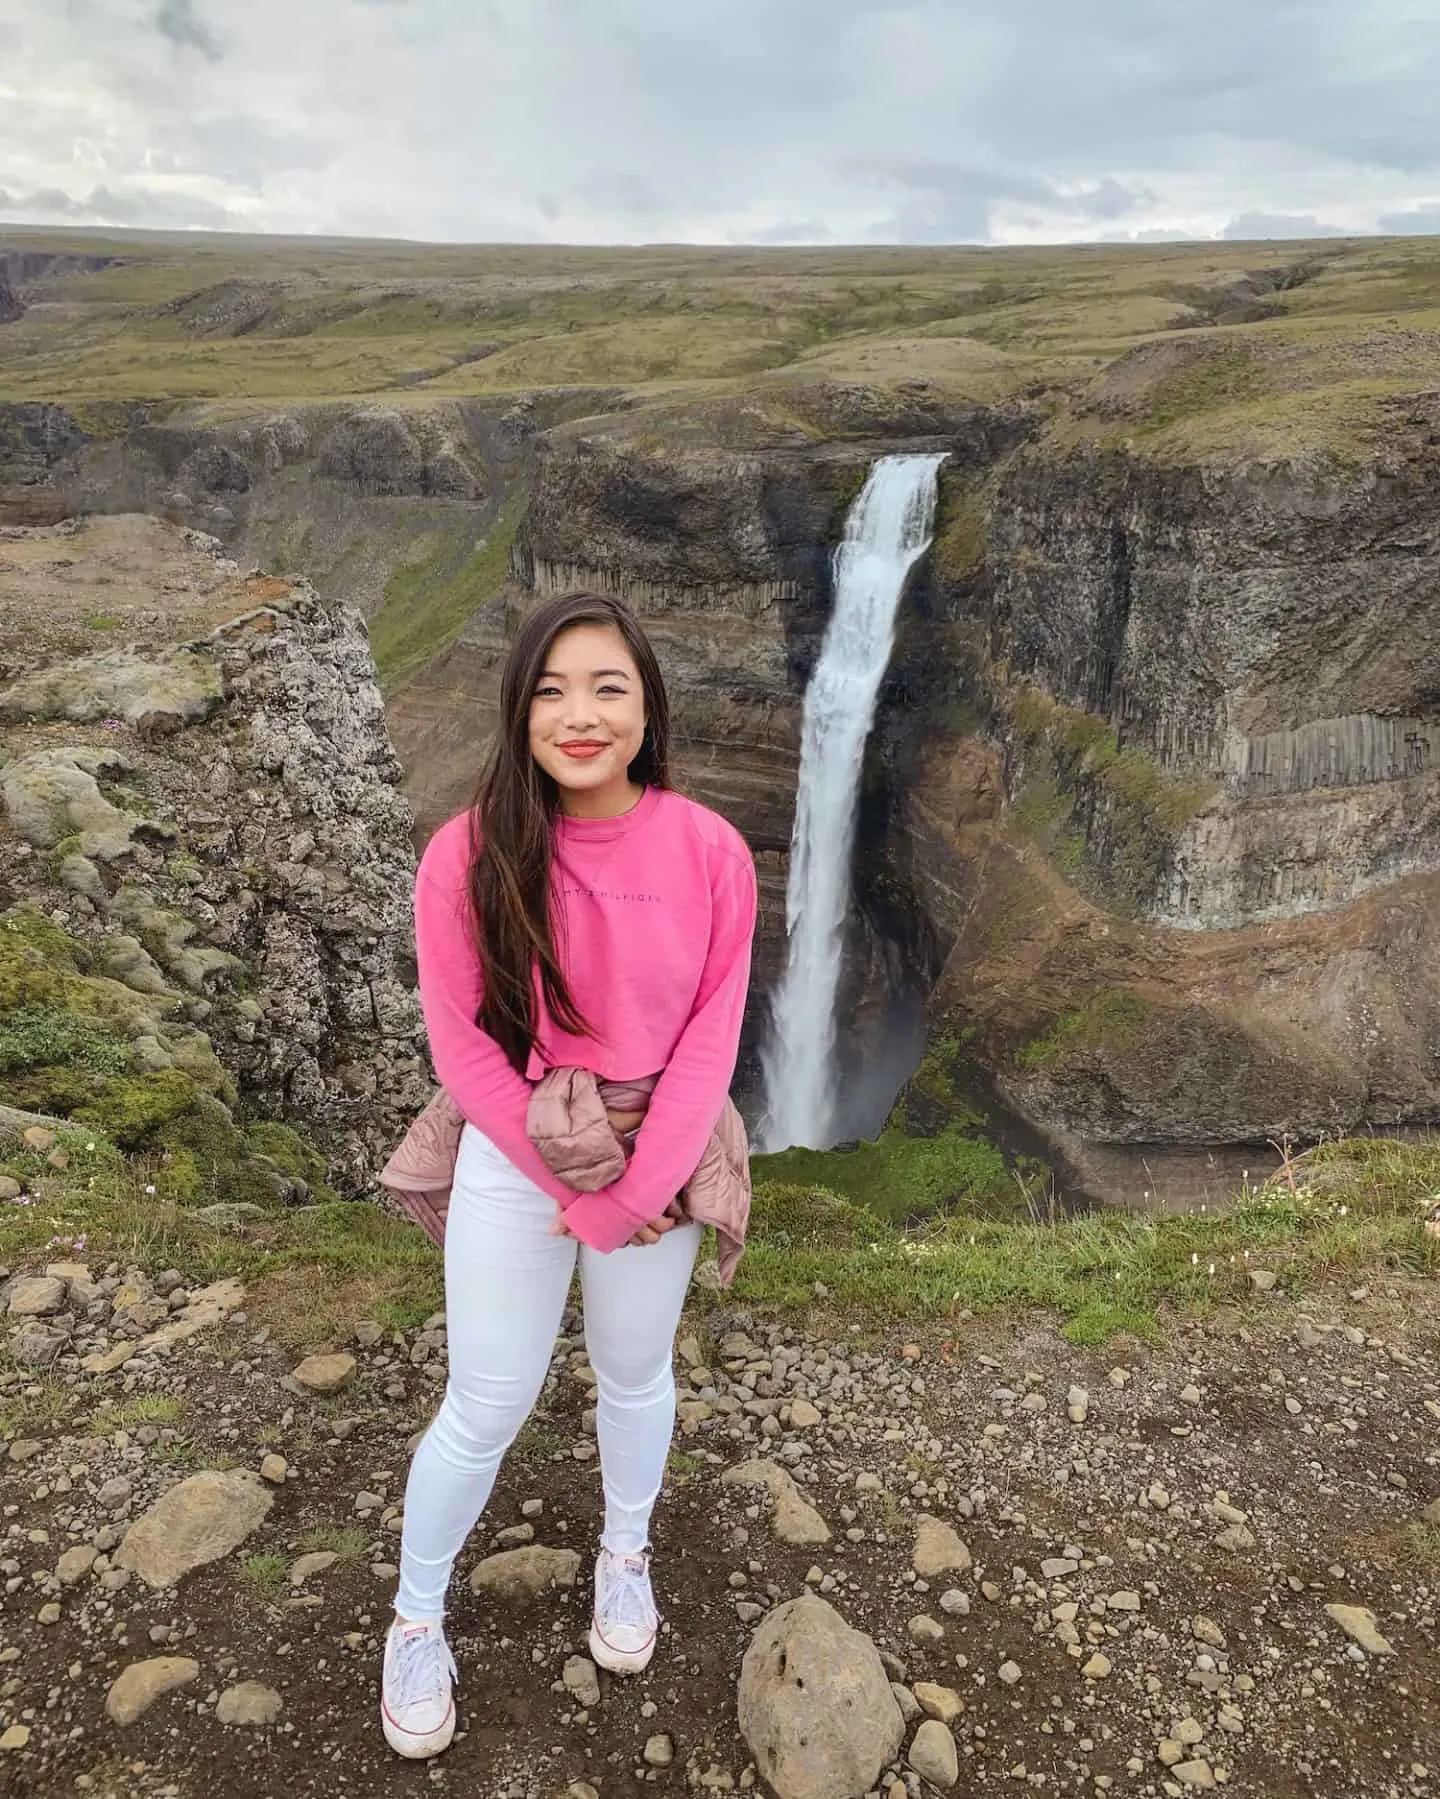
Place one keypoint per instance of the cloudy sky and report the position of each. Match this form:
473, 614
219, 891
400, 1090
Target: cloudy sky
724, 121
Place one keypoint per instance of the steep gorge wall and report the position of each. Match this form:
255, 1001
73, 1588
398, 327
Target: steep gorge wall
1166, 826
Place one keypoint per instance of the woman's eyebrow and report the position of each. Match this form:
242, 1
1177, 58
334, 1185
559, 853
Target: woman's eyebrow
549, 674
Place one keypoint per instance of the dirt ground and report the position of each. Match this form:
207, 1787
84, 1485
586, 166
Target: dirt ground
1321, 1433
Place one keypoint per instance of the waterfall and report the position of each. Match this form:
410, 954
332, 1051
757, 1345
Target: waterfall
887, 531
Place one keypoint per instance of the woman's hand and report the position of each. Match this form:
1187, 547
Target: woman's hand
656, 1229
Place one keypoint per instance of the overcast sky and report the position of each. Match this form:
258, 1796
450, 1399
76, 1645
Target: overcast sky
724, 121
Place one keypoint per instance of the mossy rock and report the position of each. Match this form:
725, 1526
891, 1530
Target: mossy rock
179, 685
53, 798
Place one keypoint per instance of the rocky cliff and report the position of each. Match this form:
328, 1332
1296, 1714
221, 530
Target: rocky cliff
206, 815
1148, 816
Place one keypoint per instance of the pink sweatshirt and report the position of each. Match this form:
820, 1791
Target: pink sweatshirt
656, 910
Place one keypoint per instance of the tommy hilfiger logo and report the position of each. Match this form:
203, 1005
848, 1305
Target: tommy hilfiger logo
613, 893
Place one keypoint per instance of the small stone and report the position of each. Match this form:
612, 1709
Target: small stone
1264, 1279
1194, 1774
1188, 1732
933, 1755
326, 1373
923, 1629
16, 1737
136, 1689
659, 1752
938, 1549
1159, 1496
1205, 1630
939, 1702
1097, 1668
317, 1562
583, 1680
114, 1494
1009, 1673
49, 1614
1190, 1395
9, 1189
955, 1603
520, 1575
1123, 1602
274, 1468
75, 1564
24, 1449
249, 1703
803, 1415
201, 1520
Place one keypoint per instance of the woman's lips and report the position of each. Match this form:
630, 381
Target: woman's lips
581, 752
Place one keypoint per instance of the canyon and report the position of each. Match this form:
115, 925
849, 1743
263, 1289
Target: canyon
1148, 855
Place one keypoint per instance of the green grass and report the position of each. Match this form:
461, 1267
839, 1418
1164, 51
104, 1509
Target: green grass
266, 1574
349, 1545
1101, 1273
898, 1177
428, 601
313, 1272
163, 1409
1110, 1019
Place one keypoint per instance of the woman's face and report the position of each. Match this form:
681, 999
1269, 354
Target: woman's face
587, 720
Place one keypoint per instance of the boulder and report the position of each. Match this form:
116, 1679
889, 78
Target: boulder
204, 1518
815, 1704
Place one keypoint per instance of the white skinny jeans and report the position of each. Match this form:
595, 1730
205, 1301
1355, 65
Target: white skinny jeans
506, 1282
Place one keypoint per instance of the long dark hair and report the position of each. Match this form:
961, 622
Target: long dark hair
513, 821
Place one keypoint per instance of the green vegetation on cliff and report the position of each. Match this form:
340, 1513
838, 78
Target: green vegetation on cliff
429, 600
78, 1046
1108, 817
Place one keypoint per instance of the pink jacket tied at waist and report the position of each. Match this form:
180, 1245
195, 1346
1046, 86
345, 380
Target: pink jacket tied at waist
567, 1123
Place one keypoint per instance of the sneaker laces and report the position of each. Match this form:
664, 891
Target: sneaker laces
421, 1659
626, 1600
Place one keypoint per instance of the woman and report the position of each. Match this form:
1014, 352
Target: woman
583, 915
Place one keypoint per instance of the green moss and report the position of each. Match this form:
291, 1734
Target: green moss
794, 1215
1107, 1020
133, 1110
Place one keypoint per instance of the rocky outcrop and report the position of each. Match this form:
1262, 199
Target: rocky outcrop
233, 842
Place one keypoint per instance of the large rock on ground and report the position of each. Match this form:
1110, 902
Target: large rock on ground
815, 1704
520, 1575
142, 1683
795, 1519
204, 1518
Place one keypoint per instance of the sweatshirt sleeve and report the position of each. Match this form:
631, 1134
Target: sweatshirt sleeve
692, 1089
471, 1065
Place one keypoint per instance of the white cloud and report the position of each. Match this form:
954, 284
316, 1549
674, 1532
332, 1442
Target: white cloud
814, 121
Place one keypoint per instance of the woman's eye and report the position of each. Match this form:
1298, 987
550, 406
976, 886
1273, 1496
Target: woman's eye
546, 693
619, 692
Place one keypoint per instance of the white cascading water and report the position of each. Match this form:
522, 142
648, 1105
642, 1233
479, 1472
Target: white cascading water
888, 530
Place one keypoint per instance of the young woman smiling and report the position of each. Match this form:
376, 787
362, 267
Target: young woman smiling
581, 915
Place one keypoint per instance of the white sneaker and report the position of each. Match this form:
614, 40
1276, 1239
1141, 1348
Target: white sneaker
625, 1625
416, 1709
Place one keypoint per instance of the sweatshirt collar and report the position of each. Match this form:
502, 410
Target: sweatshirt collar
571, 831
